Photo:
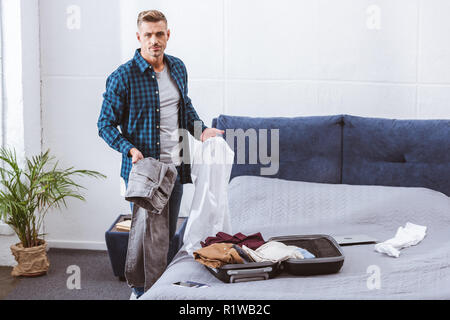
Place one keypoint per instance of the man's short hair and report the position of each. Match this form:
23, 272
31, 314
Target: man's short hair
151, 16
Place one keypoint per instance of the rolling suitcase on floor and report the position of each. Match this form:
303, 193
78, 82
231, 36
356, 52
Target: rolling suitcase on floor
329, 258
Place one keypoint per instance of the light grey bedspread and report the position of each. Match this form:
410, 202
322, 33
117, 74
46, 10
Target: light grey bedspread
279, 207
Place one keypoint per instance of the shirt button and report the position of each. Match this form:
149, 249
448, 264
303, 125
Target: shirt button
157, 127
153, 77
156, 92
157, 110
157, 143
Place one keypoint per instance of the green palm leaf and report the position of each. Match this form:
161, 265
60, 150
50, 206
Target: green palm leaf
27, 194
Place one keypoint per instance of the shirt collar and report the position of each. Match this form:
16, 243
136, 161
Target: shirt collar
144, 65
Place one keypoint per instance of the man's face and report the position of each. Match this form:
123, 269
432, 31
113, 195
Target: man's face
153, 37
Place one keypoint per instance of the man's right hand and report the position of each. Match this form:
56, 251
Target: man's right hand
136, 155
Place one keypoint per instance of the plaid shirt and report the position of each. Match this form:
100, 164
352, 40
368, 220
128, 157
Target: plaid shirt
131, 101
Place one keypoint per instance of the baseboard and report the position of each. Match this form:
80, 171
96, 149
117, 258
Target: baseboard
84, 245
5, 230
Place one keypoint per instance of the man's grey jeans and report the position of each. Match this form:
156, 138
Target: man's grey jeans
174, 210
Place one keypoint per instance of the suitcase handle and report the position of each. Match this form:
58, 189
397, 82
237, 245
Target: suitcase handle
249, 271
243, 278
249, 274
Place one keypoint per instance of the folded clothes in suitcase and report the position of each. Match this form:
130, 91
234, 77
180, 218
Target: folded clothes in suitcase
329, 258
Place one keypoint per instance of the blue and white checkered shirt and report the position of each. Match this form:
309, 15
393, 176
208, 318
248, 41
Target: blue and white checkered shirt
131, 101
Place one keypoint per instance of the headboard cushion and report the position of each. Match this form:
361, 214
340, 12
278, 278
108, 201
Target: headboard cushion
409, 153
309, 147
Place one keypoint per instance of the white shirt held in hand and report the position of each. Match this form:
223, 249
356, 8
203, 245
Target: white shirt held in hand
211, 170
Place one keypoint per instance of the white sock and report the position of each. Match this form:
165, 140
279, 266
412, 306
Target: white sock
409, 235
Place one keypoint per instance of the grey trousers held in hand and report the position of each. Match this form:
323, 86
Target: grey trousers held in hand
149, 187
174, 211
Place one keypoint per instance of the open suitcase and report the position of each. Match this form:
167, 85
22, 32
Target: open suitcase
329, 258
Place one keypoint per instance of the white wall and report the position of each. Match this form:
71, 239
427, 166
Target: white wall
21, 114
378, 58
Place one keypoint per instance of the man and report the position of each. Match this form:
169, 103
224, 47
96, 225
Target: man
147, 97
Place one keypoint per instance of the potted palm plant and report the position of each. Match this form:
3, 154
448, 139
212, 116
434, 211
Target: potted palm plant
26, 194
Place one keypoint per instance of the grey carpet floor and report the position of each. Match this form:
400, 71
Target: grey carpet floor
7, 283
97, 281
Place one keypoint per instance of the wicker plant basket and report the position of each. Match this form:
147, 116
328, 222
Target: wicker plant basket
32, 261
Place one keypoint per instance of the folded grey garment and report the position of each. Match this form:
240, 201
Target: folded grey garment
167, 183
163, 192
245, 257
150, 184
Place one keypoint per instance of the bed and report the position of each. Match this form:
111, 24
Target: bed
339, 175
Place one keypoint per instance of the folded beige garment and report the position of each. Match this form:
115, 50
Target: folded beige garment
217, 254
124, 225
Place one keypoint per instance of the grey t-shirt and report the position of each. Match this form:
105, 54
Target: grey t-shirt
169, 98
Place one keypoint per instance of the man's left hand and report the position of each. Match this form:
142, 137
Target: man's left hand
210, 132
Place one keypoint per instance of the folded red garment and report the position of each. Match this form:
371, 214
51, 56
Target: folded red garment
253, 241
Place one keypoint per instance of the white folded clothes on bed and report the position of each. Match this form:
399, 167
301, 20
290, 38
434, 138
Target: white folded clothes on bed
273, 251
409, 235
211, 170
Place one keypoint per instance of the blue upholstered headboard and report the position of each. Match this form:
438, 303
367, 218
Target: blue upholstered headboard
353, 150
310, 148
